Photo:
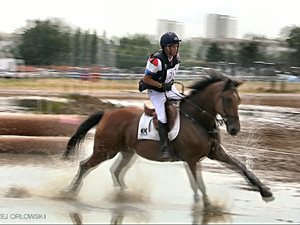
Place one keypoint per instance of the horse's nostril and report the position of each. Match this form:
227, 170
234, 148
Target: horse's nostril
234, 131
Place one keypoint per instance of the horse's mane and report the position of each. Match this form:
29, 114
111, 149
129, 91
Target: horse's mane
211, 76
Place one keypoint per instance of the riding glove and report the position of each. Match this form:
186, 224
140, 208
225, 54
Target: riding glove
167, 86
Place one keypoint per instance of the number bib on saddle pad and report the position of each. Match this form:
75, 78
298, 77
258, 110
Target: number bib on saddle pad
146, 129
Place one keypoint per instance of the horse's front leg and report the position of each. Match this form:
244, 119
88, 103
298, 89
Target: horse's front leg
221, 155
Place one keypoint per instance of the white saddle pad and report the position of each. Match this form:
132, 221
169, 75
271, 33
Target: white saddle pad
146, 129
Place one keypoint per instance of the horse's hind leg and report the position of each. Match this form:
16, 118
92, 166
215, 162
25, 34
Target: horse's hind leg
220, 154
120, 167
194, 172
85, 167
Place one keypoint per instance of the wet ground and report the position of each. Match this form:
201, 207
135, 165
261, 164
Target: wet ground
268, 144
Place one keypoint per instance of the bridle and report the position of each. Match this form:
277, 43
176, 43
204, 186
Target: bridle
225, 117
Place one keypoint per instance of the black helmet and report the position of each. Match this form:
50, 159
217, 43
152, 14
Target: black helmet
169, 38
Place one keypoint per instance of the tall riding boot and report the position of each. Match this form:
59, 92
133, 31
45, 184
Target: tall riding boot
165, 154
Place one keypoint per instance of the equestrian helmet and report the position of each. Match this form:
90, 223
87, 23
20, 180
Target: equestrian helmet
168, 39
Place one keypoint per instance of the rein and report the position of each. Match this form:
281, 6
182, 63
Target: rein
205, 113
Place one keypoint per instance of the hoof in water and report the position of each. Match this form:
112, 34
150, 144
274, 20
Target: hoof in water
196, 198
268, 199
66, 195
266, 193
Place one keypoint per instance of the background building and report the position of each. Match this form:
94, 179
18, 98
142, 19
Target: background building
220, 26
170, 25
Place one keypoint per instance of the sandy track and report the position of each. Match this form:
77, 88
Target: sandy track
283, 100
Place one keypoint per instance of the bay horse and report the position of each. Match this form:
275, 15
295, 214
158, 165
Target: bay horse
198, 137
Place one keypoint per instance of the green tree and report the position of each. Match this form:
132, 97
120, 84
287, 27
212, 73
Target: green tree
86, 49
293, 42
230, 56
248, 53
186, 51
44, 44
104, 55
94, 49
215, 53
133, 52
77, 48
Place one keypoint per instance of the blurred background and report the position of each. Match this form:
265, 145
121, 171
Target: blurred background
72, 58
40, 41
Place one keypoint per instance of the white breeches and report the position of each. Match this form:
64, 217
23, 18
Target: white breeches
159, 99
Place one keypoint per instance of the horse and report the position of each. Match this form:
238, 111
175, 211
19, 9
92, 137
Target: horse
212, 100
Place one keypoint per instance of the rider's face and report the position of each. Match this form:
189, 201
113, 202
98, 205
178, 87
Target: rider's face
173, 49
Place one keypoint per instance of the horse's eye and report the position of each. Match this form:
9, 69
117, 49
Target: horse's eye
228, 100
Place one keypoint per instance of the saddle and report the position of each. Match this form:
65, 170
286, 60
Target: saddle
170, 111
148, 124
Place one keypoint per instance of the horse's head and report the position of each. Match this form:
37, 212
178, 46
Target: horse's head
214, 94
227, 103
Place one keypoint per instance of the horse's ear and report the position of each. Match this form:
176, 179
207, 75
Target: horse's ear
237, 84
227, 84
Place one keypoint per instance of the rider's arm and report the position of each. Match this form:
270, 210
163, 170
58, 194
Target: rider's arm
153, 66
148, 80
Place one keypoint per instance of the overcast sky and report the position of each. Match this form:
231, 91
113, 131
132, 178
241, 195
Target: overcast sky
123, 17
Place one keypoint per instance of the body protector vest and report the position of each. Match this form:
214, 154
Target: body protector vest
166, 75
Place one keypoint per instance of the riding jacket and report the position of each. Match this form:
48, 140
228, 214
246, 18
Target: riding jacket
161, 69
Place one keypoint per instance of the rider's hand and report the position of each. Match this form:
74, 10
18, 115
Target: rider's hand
167, 86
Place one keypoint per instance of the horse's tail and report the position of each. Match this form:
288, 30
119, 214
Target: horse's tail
81, 132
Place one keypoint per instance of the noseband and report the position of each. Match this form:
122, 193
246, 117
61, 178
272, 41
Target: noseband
226, 117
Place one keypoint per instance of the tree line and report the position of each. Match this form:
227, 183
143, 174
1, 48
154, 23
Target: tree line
51, 42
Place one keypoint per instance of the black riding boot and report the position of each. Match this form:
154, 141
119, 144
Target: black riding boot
165, 154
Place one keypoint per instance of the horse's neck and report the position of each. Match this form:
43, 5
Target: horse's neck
201, 109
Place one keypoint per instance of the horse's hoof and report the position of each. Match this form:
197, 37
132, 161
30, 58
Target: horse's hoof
121, 189
268, 199
266, 193
207, 205
196, 198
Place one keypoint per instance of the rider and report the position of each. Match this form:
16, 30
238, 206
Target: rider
159, 74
